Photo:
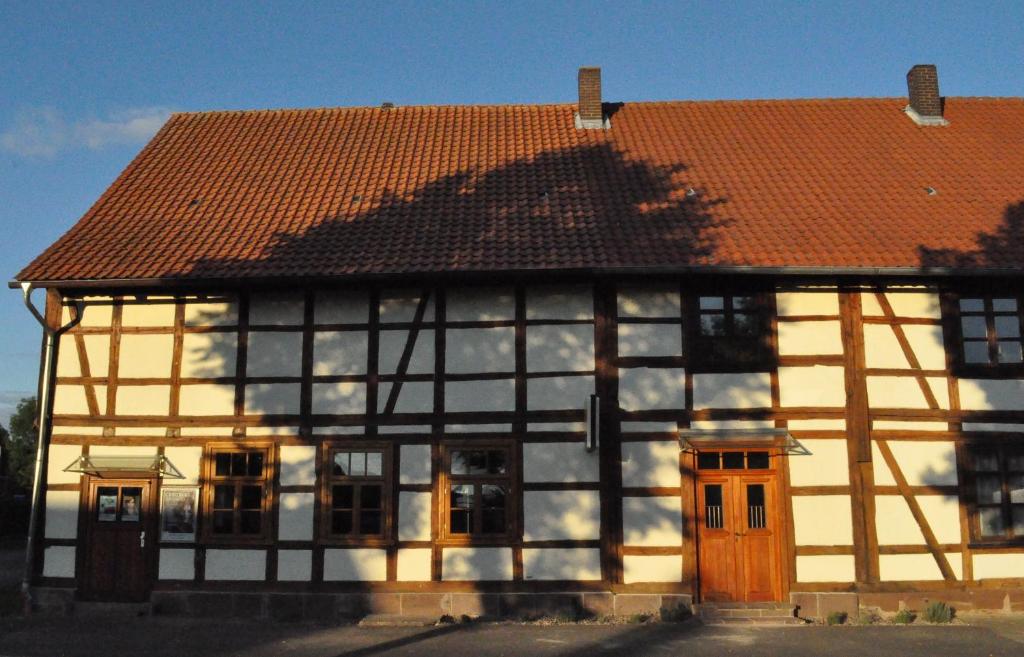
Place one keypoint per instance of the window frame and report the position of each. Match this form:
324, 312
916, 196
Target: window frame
512, 497
952, 316
699, 356
266, 480
1002, 450
387, 482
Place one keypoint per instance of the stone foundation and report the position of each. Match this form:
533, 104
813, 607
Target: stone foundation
820, 605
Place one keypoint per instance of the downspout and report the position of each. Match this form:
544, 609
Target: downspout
42, 443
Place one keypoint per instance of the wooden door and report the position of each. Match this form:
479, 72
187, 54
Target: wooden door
738, 539
120, 540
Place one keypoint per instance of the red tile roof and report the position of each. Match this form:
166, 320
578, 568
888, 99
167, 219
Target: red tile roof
334, 192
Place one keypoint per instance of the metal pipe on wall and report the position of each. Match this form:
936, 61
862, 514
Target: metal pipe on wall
43, 439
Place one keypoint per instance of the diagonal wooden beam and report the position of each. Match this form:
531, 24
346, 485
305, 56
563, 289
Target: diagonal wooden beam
86, 372
908, 351
915, 510
403, 362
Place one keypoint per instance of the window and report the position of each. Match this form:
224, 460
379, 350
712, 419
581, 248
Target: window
998, 482
715, 460
990, 331
731, 332
238, 494
357, 493
479, 491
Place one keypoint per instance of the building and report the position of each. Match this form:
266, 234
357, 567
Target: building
492, 359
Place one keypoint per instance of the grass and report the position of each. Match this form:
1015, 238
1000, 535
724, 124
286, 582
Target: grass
938, 612
904, 617
836, 618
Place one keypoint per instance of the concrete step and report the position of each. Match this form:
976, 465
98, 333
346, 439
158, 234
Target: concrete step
112, 609
397, 620
755, 622
762, 613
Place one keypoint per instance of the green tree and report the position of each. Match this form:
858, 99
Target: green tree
21, 444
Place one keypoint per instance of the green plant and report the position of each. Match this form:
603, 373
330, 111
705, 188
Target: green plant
674, 614
904, 617
637, 619
938, 612
445, 620
868, 617
836, 618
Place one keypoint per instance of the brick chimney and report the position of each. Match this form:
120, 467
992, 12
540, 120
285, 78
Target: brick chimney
925, 106
590, 114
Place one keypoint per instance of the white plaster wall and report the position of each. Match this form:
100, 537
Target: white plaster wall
924, 463
294, 565
558, 392
644, 427
805, 302
392, 346
339, 352
825, 568
209, 355
895, 525
746, 390
826, 465
61, 514
177, 564
414, 464
476, 563
274, 353
998, 566
992, 394
721, 425
559, 462
60, 457
123, 450
143, 400
414, 565
59, 561
276, 309
413, 516
820, 385
188, 461
882, 349
97, 350
475, 350
236, 565
822, 520
211, 313
414, 397
341, 307
914, 567
271, 398
561, 515
207, 399
298, 465
355, 565
400, 306
344, 398
560, 348
905, 303
295, 519
573, 564
72, 430
652, 521
650, 339
147, 314
70, 399
479, 304
560, 302
898, 425
652, 464
905, 392
651, 568
465, 396
145, 356
647, 388
648, 302
98, 312
810, 338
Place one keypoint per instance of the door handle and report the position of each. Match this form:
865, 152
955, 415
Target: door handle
142, 539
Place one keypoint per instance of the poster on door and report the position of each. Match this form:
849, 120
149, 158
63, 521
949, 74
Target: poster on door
178, 514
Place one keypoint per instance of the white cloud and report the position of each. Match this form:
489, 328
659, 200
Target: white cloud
44, 132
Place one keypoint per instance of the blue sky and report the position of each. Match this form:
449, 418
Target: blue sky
83, 85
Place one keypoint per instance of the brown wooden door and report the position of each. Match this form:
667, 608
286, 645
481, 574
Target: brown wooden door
738, 549
120, 540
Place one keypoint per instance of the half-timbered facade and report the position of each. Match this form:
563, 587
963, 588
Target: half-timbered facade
691, 360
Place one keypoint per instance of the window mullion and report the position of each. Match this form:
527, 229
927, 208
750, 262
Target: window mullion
990, 332
1004, 476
